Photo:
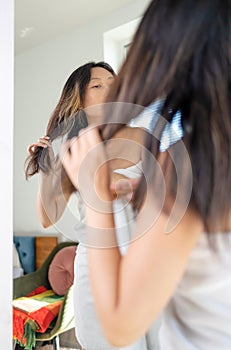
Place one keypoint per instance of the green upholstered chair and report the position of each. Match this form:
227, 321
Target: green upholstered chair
25, 284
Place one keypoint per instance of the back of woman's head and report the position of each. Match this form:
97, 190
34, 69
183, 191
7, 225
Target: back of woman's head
68, 116
178, 42
181, 52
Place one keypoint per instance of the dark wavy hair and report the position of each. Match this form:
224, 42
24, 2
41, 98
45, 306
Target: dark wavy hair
182, 52
68, 116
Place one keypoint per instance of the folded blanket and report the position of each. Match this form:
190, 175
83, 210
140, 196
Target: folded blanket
34, 313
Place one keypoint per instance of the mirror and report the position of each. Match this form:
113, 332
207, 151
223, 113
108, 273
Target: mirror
51, 40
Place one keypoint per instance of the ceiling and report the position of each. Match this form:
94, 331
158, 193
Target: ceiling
38, 21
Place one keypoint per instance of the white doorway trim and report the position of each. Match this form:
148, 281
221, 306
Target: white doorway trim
6, 168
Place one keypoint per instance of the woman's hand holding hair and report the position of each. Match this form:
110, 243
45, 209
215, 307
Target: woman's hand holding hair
43, 141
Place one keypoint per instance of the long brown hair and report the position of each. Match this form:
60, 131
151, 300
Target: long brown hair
182, 52
67, 117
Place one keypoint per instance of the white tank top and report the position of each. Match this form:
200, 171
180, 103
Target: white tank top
198, 317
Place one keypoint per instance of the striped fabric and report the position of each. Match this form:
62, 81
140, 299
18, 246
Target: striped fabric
34, 313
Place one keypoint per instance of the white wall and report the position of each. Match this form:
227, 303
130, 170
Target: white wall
39, 77
6, 173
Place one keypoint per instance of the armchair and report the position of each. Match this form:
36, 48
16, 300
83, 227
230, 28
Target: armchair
26, 284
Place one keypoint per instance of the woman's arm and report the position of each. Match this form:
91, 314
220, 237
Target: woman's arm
54, 189
52, 197
129, 291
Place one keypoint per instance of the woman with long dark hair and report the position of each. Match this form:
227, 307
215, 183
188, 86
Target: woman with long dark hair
66, 120
180, 260
79, 105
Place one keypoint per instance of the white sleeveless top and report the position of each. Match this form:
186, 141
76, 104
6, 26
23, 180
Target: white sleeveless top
198, 317
87, 326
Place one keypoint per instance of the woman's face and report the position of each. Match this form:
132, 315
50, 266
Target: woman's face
98, 87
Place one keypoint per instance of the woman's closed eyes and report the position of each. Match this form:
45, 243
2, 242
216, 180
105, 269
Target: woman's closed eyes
96, 86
